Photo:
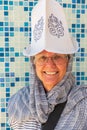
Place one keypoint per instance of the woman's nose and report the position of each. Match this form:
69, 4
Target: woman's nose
50, 61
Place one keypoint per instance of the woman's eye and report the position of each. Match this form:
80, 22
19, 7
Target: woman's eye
43, 58
56, 57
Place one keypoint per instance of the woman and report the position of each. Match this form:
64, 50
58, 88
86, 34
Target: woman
52, 101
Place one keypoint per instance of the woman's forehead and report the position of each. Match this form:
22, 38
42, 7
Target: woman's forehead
44, 52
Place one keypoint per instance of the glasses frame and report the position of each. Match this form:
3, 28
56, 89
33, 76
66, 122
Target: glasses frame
41, 62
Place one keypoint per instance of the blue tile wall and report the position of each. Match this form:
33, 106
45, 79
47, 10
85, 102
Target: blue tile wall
15, 34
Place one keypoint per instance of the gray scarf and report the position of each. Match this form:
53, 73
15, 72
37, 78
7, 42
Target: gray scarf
42, 104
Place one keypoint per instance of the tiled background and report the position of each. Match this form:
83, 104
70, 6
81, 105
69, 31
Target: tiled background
15, 34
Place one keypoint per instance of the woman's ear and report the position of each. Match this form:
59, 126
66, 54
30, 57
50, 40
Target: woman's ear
33, 59
68, 56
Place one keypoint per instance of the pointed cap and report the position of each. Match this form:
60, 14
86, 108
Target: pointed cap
50, 30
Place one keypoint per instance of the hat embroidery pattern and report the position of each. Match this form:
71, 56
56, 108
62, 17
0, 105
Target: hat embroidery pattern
55, 26
38, 29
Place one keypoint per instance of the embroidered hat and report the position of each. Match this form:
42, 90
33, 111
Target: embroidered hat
50, 30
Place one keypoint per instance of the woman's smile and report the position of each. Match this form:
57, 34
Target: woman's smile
50, 73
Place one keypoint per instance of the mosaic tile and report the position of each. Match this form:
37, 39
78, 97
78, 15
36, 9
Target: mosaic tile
15, 34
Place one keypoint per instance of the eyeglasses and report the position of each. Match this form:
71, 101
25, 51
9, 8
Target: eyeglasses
57, 59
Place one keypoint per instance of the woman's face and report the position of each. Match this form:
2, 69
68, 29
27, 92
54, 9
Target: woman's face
50, 68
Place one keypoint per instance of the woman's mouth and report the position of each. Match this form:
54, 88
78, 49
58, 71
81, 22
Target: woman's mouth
50, 73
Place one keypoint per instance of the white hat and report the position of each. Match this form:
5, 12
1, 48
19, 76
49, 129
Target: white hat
50, 30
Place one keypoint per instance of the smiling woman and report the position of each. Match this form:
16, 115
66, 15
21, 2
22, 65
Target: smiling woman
52, 86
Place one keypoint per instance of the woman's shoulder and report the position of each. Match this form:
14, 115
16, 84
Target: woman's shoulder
77, 96
78, 92
77, 100
20, 94
18, 102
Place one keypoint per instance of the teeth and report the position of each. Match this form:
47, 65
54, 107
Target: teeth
51, 73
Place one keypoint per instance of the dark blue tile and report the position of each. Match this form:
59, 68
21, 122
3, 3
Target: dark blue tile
82, 49
21, 29
12, 59
78, 35
73, 30
78, 1
2, 124
11, 28
26, 29
83, 11
6, 29
73, 25
64, 5
6, 34
7, 89
78, 16
8, 129
6, 64
78, 83
77, 78
12, 84
82, 30
30, 3
6, 39
26, 79
1, 54
7, 94
5, 2
82, 25
78, 59
73, 6
25, 8
78, 39
2, 109
17, 79
6, 13
1, 23
6, 49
